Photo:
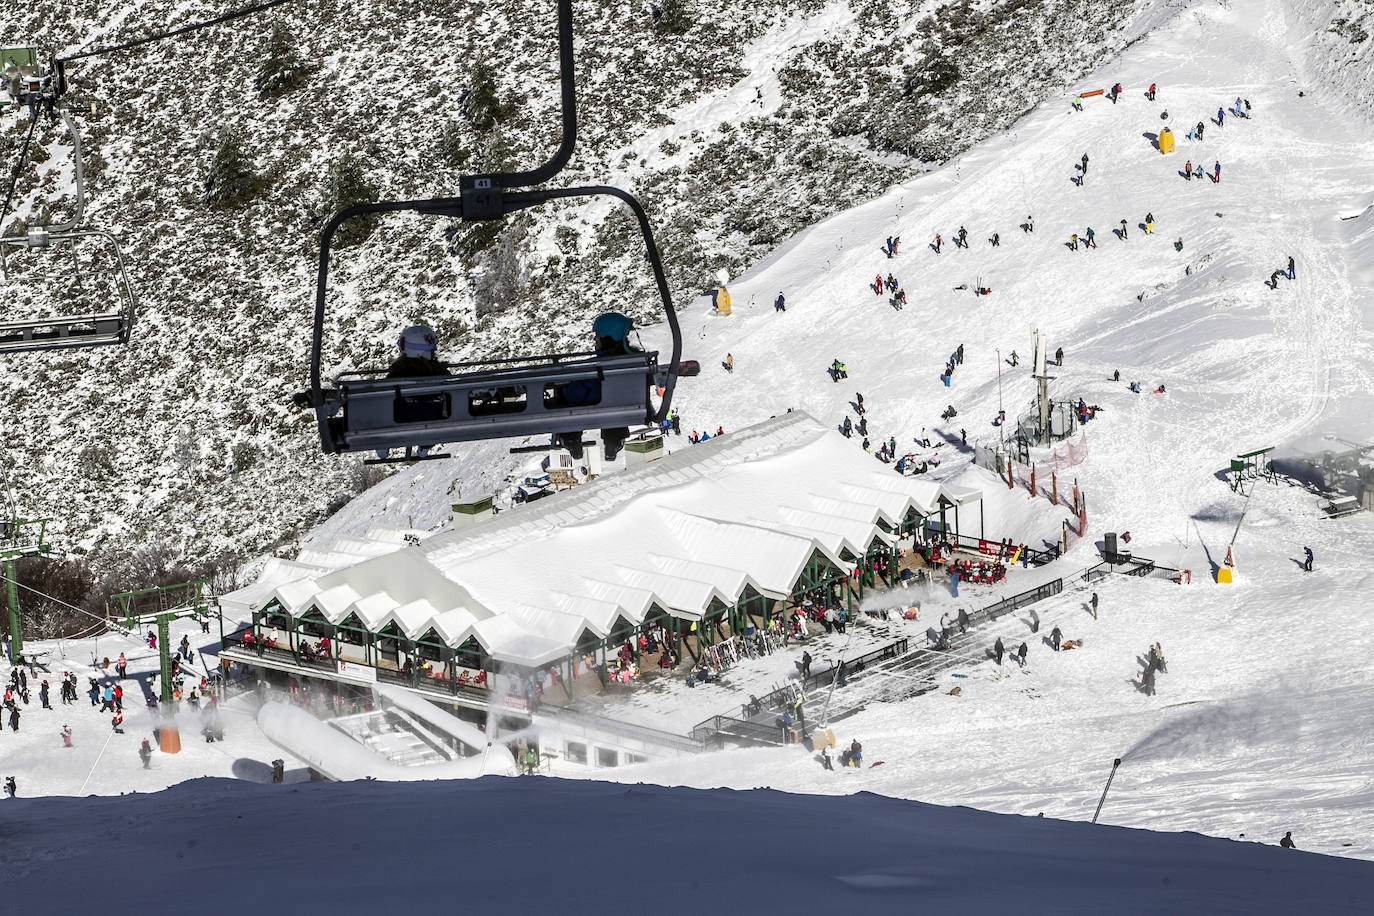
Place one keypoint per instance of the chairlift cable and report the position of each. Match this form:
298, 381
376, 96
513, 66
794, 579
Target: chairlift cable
172, 33
106, 621
18, 167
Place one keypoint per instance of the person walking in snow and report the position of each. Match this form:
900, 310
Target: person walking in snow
1147, 682
1059, 356
878, 284
1149, 224
1021, 655
145, 753
938, 242
863, 426
996, 240
43, 695
1089, 235
1286, 842
1055, 637
859, 403
963, 237
729, 362
1188, 170
997, 650
848, 428
1151, 93
1221, 117
1307, 561
1093, 602
1085, 164
891, 283
805, 665
1123, 230
66, 736
122, 667
963, 437
119, 697
1292, 269
959, 355
14, 718
780, 304
1073, 242
1201, 126
1216, 173
1078, 103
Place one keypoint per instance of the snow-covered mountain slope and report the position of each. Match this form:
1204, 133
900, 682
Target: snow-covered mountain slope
1261, 724
792, 853
736, 125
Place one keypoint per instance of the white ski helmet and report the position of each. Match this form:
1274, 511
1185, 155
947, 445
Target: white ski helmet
418, 340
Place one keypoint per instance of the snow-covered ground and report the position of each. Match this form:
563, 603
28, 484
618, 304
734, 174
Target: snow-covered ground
1262, 723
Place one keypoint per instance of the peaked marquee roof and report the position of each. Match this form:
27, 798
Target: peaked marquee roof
743, 510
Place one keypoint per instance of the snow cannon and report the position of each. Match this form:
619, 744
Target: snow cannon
1110, 776
1166, 141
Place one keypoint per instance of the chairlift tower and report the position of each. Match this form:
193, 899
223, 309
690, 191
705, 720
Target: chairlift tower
159, 607
19, 539
1040, 375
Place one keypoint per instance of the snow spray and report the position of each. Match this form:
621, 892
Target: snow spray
1110, 776
1212, 731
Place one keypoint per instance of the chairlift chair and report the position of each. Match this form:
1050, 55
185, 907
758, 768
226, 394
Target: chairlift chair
553, 394
88, 329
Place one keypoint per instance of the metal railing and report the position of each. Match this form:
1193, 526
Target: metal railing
714, 731
1141, 567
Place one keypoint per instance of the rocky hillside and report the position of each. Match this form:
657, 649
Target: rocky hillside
215, 157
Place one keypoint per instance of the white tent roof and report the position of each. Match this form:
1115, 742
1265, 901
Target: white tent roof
697, 526
276, 572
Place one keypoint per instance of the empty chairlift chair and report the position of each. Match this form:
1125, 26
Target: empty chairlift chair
25, 85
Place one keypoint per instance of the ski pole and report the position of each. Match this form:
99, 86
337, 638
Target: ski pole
1115, 763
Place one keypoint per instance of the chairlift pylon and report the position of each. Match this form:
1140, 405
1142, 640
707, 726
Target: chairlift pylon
556, 394
26, 86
